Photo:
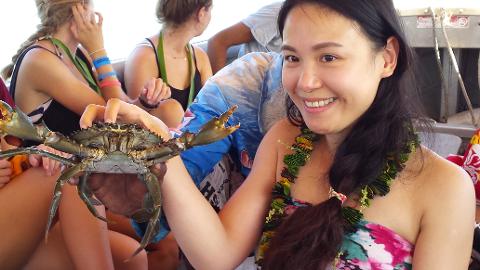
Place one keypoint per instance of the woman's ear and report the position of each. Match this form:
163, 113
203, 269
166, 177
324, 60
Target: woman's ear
390, 56
202, 13
74, 28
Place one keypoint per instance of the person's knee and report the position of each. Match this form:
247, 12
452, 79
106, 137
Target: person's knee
170, 112
123, 247
137, 262
164, 254
166, 246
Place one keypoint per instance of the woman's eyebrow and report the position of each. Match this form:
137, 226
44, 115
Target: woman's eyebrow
318, 46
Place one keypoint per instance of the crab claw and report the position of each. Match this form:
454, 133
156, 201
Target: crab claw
212, 131
16, 123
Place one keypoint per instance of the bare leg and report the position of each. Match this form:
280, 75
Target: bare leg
24, 204
122, 249
164, 254
54, 255
85, 236
161, 255
170, 112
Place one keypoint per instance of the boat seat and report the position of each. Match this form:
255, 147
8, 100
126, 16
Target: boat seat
443, 144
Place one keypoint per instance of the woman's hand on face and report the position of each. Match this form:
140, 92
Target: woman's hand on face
154, 91
87, 28
49, 165
5, 172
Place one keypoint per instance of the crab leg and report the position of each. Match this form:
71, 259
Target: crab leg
33, 150
153, 188
57, 193
86, 196
16, 123
160, 160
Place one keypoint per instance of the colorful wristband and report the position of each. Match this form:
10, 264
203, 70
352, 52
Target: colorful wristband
107, 83
101, 61
102, 76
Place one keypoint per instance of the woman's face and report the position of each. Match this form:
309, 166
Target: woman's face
331, 70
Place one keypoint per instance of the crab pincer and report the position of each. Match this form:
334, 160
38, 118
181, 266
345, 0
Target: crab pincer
212, 131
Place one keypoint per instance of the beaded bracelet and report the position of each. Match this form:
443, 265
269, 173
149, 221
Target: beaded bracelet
107, 83
102, 76
101, 61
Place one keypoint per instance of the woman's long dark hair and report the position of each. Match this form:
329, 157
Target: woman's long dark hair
311, 237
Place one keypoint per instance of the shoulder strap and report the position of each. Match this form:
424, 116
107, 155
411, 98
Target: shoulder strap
81, 57
163, 69
13, 81
161, 58
190, 55
193, 56
79, 64
156, 56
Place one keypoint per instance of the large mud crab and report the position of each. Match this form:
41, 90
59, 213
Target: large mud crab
109, 148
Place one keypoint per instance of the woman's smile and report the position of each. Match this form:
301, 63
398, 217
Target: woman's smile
318, 105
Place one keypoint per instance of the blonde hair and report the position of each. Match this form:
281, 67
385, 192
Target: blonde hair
176, 12
52, 14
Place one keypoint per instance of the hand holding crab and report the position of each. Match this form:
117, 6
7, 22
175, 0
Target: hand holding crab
113, 148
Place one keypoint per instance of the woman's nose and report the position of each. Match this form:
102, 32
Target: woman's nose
309, 80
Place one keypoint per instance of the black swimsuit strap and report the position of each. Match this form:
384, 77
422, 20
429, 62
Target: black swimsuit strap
155, 51
13, 81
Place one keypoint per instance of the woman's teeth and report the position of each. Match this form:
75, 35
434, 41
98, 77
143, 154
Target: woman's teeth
319, 103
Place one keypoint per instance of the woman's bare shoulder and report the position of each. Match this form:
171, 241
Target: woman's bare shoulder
284, 128
203, 61
283, 132
439, 170
441, 182
40, 63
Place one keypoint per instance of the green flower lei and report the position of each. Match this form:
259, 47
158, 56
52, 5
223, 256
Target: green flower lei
381, 185
302, 149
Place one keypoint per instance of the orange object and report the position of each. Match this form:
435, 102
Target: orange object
19, 164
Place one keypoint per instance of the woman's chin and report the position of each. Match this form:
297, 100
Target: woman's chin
326, 130
319, 129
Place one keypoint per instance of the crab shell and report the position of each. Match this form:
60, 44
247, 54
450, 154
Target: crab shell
123, 148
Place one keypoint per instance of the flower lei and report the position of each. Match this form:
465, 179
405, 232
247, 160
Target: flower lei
283, 204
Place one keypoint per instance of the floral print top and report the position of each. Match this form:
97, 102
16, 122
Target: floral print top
373, 246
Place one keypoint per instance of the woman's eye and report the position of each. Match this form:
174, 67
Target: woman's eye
328, 58
290, 58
